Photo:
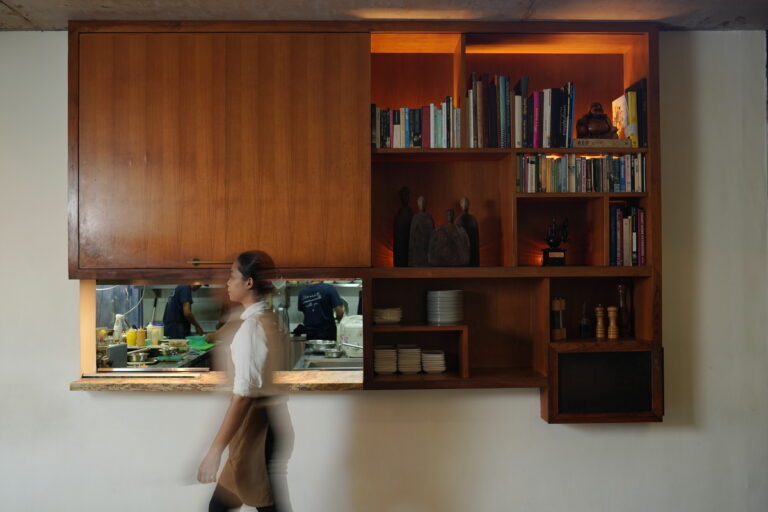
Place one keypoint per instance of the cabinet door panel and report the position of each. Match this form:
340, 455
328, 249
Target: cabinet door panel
151, 168
298, 147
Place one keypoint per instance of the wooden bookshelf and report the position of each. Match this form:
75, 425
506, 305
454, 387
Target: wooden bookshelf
507, 298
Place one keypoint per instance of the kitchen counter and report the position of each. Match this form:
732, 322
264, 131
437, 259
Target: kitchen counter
290, 381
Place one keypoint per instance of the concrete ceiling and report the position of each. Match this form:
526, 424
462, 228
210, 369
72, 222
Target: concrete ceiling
675, 14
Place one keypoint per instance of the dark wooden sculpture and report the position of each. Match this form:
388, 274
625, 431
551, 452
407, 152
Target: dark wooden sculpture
449, 245
402, 229
468, 221
422, 227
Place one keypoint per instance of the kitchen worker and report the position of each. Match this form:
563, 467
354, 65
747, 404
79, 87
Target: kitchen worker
319, 302
256, 426
178, 318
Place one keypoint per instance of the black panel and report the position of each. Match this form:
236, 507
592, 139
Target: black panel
604, 382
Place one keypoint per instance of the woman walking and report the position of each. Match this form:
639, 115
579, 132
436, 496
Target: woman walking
256, 426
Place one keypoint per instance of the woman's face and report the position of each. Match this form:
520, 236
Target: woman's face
238, 288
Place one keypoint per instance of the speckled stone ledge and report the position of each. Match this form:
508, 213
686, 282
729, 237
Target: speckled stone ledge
310, 380
319, 380
204, 382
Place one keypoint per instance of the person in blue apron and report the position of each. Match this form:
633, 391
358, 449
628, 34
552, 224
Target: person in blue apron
320, 302
178, 318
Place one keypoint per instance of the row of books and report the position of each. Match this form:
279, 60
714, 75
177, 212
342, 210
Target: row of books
573, 173
433, 126
489, 110
627, 235
544, 119
630, 114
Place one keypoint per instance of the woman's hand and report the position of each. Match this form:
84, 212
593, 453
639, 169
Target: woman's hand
209, 467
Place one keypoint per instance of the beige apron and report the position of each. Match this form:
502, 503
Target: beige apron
245, 473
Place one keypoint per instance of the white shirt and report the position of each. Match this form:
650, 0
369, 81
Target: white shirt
249, 352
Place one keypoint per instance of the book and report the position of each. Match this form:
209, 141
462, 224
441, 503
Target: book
425, 128
536, 141
631, 127
640, 88
546, 118
619, 116
521, 95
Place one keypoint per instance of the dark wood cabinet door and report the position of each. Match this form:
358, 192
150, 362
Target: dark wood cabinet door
202, 145
298, 148
151, 181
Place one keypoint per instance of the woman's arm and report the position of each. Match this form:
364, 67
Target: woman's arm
233, 418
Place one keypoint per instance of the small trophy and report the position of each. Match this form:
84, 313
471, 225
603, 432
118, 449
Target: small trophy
554, 256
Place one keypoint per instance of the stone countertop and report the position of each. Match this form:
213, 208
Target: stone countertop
290, 381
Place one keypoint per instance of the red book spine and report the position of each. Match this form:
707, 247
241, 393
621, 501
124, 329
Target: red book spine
536, 119
641, 237
426, 128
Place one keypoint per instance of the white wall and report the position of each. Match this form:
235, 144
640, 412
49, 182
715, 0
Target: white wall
482, 450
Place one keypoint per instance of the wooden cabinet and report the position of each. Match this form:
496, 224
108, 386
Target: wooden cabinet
203, 145
203, 140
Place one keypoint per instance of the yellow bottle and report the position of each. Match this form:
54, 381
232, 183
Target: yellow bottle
130, 337
141, 337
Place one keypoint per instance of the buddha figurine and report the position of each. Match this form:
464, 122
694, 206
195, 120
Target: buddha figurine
595, 124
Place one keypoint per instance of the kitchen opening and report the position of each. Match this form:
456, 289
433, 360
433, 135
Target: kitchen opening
188, 327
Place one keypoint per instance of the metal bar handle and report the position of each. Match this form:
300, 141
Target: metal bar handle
197, 261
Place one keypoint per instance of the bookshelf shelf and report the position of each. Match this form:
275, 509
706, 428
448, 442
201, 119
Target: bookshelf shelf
507, 272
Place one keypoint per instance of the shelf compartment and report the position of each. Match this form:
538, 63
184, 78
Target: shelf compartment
442, 185
507, 319
586, 228
604, 386
460, 355
604, 290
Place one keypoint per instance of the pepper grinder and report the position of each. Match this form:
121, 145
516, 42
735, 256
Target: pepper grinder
600, 322
613, 325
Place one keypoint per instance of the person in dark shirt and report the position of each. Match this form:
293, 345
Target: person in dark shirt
319, 302
178, 318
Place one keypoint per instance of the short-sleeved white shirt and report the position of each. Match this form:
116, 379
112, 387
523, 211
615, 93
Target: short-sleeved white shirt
249, 352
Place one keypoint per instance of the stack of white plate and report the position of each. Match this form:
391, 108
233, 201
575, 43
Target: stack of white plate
384, 359
408, 359
433, 361
445, 306
387, 315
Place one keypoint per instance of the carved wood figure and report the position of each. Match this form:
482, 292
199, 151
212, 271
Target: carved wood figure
468, 221
402, 229
595, 124
422, 227
449, 245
